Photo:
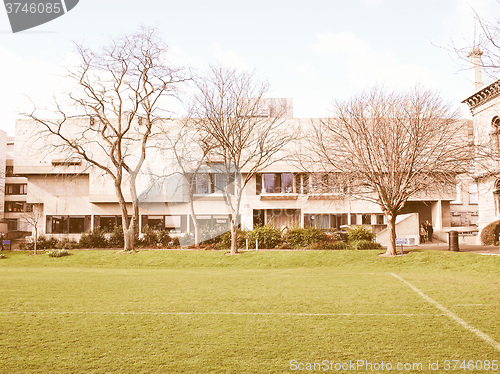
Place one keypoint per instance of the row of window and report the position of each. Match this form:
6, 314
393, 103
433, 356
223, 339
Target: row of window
17, 207
272, 183
16, 189
65, 224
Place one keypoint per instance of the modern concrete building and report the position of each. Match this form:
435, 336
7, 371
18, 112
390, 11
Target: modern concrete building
70, 198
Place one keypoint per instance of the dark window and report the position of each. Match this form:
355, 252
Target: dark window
366, 219
67, 224
9, 171
76, 225
353, 218
12, 224
59, 224
16, 189
15, 206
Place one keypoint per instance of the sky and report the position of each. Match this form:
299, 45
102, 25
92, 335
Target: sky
313, 51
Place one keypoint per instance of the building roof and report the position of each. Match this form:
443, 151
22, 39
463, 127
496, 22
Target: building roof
483, 95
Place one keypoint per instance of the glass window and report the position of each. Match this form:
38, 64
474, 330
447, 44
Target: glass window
156, 222
269, 180
59, 224
202, 183
14, 206
287, 182
76, 225
366, 219
473, 194
15, 189
219, 182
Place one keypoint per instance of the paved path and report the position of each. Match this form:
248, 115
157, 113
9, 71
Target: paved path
486, 249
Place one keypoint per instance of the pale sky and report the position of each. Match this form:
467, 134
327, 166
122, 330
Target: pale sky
314, 51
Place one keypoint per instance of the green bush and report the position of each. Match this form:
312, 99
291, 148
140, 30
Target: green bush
489, 235
269, 237
66, 243
94, 239
300, 238
116, 239
225, 240
333, 245
364, 244
360, 233
58, 253
41, 243
339, 236
150, 237
164, 238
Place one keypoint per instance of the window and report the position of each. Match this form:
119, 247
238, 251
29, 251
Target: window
76, 225
270, 183
12, 224
287, 182
473, 194
495, 123
207, 183
202, 183
67, 224
9, 171
274, 183
165, 222
16, 206
16, 189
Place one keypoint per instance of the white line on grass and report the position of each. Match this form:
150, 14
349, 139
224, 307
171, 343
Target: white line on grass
452, 315
234, 313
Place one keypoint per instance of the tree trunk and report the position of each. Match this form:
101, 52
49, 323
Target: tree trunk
36, 239
195, 221
234, 242
391, 227
128, 237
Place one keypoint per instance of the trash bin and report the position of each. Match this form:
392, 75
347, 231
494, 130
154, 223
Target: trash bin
453, 241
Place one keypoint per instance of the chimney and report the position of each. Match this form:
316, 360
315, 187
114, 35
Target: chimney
475, 58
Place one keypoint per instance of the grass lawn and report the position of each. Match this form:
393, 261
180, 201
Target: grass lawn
258, 312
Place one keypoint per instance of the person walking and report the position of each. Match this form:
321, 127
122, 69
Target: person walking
422, 234
429, 229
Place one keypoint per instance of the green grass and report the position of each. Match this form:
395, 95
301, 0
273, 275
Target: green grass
205, 312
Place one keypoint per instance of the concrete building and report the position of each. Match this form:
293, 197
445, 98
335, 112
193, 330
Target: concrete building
71, 198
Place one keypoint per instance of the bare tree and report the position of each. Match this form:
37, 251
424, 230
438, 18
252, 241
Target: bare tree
190, 158
33, 216
238, 130
118, 94
391, 146
485, 42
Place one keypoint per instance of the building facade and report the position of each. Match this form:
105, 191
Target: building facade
66, 197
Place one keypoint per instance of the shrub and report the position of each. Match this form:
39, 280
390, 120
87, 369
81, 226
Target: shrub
164, 238
94, 239
299, 238
333, 245
339, 236
489, 235
58, 253
269, 237
150, 237
65, 243
364, 244
360, 233
225, 239
116, 239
